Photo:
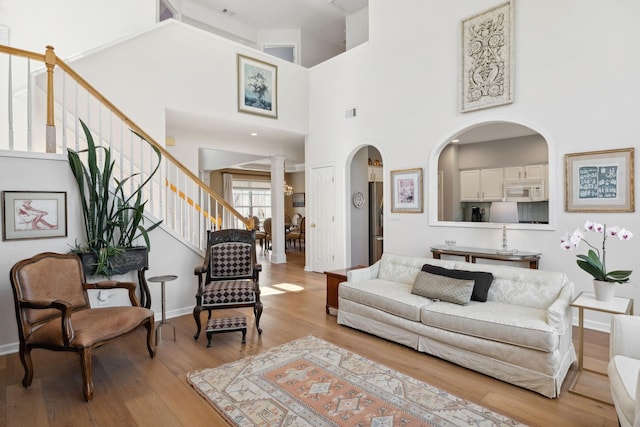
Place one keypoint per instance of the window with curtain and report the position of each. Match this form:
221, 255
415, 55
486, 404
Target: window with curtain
252, 198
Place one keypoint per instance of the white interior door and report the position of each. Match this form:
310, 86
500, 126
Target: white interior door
322, 218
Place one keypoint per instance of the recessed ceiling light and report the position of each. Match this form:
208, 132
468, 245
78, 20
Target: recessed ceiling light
254, 134
455, 140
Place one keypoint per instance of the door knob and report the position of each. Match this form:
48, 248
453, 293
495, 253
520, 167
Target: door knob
313, 225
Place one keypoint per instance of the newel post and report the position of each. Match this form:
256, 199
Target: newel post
50, 62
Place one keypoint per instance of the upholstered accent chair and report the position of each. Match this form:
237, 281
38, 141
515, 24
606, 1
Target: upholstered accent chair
624, 368
228, 278
53, 312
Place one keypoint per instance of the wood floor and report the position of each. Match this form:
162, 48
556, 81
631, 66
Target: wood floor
133, 390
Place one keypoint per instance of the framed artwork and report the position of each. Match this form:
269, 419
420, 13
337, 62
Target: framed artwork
298, 200
599, 181
406, 191
34, 214
487, 59
257, 87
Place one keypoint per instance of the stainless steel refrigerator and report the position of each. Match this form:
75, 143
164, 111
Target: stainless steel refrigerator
375, 221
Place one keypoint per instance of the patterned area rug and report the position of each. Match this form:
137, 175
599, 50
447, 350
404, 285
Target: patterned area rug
310, 382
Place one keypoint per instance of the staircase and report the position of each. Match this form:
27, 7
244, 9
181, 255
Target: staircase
44, 106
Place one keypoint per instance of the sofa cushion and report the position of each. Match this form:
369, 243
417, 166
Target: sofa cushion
512, 324
391, 297
403, 269
442, 288
623, 374
482, 279
520, 286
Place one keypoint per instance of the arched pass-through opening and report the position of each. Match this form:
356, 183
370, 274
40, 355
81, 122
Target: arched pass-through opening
489, 162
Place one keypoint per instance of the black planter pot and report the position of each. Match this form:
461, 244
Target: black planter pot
136, 258
132, 259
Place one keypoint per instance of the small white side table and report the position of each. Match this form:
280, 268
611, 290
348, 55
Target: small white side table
588, 301
163, 322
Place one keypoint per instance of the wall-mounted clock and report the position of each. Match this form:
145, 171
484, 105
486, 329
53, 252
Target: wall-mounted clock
358, 199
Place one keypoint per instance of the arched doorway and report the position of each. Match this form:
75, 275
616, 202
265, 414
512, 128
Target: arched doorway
365, 208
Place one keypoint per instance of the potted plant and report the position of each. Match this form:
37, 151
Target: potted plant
113, 220
594, 262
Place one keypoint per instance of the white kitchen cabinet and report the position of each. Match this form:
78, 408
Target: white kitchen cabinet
481, 185
525, 173
470, 185
491, 183
375, 174
535, 172
514, 173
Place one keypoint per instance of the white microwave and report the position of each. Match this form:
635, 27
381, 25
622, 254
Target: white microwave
524, 191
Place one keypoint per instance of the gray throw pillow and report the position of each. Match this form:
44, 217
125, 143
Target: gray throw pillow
442, 288
482, 279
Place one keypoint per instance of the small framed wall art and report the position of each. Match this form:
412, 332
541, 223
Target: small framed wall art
406, 191
297, 199
34, 214
599, 181
257, 87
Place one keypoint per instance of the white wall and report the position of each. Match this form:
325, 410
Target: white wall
571, 84
200, 79
315, 50
357, 25
73, 26
273, 38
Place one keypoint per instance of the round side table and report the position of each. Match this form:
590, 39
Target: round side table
163, 322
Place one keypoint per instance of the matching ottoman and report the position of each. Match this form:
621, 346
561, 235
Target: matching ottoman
226, 324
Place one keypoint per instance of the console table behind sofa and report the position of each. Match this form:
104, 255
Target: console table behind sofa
471, 254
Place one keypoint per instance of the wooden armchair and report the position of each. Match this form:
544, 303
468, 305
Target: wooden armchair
53, 312
228, 278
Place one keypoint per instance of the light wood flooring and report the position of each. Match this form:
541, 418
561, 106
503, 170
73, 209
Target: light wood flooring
133, 390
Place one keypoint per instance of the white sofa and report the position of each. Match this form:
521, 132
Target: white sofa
624, 368
521, 334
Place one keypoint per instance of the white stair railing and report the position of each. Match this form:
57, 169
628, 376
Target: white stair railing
43, 107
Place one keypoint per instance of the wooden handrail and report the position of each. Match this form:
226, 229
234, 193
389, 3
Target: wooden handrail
19, 52
52, 60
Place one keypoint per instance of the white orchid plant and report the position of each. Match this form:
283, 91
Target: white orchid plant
594, 262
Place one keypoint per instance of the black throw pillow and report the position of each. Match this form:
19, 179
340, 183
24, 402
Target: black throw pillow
482, 279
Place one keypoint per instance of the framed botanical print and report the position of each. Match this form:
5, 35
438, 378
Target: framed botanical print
257, 87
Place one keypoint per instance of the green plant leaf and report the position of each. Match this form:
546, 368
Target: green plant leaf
594, 271
620, 276
113, 216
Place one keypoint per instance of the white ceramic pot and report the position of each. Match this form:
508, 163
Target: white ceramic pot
605, 291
